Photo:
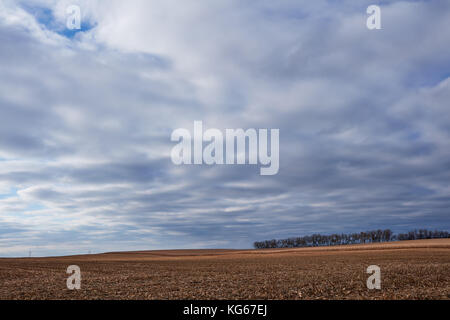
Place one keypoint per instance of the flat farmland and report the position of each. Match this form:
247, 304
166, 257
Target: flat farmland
409, 270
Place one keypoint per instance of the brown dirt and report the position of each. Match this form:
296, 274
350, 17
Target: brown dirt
409, 270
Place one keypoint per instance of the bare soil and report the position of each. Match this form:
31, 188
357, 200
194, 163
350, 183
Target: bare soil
409, 270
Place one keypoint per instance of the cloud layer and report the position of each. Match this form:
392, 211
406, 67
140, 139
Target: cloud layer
86, 118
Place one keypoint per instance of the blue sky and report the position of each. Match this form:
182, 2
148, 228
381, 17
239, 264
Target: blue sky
86, 119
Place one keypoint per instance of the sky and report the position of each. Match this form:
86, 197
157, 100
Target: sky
86, 118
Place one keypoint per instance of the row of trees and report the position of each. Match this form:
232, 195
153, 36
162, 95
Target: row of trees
317, 240
422, 234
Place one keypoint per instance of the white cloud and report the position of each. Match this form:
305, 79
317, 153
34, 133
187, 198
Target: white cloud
86, 121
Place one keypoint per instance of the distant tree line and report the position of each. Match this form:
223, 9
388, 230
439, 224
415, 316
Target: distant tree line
318, 240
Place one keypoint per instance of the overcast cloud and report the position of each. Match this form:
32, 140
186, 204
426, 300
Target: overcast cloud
86, 119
